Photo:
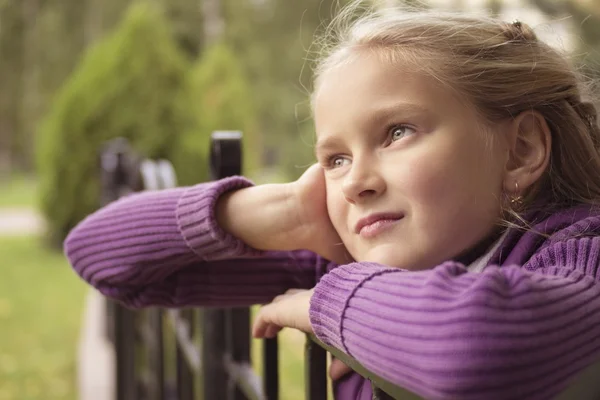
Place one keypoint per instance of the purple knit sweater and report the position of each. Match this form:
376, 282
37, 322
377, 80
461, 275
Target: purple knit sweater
520, 329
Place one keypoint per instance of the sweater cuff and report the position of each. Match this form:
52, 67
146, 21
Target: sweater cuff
331, 297
196, 216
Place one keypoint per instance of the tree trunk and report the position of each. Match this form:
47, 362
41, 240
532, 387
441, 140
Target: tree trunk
30, 84
11, 34
213, 21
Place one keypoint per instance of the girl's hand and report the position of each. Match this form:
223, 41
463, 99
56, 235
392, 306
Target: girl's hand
287, 310
284, 217
338, 369
315, 231
291, 310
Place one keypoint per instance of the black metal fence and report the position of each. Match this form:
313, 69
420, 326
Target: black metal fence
212, 357
205, 353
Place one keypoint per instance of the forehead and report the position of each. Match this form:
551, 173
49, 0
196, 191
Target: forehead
368, 85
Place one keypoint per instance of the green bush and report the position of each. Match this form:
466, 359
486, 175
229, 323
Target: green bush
131, 84
223, 100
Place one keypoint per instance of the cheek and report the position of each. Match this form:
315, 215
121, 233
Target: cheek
449, 184
426, 180
336, 206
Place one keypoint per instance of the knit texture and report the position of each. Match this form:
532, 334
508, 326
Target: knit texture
520, 329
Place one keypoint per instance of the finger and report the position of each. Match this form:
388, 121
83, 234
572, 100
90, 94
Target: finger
259, 328
280, 297
260, 324
272, 331
338, 369
290, 292
262, 330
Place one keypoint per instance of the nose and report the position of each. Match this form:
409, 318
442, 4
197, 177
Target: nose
363, 182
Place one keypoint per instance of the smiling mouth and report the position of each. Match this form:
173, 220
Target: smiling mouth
375, 224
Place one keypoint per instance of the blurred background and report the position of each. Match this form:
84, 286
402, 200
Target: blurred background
164, 74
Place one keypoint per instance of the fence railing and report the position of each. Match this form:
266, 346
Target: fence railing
195, 354
212, 357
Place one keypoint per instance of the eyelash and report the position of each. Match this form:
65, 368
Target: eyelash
392, 128
390, 131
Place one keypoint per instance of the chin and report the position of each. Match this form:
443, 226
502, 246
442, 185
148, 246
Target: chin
388, 257
392, 256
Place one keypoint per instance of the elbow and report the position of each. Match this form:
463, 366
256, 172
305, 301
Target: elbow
73, 253
127, 298
78, 248
90, 261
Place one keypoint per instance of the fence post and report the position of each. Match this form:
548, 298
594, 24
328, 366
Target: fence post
225, 160
185, 374
237, 322
315, 366
119, 175
271, 368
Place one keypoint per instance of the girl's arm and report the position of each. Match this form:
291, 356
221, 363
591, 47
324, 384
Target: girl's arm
167, 247
510, 332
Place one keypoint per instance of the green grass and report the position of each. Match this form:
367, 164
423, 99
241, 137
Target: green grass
19, 191
40, 312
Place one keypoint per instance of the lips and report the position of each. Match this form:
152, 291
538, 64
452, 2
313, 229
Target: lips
373, 218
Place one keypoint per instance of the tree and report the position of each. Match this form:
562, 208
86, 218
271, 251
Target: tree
272, 41
223, 100
130, 84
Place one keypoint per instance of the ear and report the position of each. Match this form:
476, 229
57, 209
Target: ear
529, 144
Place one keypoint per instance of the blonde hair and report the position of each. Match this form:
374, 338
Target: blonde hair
501, 68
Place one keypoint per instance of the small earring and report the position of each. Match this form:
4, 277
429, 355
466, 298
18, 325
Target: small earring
516, 199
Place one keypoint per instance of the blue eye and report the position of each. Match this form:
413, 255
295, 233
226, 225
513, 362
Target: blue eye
337, 161
397, 132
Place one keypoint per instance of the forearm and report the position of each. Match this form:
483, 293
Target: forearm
166, 248
260, 216
227, 283
148, 236
448, 333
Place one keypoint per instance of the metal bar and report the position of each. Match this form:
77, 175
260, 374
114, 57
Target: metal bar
111, 180
237, 322
126, 387
379, 394
155, 355
185, 375
271, 368
385, 386
184, 340
585, 385
225, 160
244, 377
315, 364
213, 354
119, 175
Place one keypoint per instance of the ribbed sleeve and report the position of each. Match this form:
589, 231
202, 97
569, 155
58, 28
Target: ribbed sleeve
165, 248
196, 219
507, 333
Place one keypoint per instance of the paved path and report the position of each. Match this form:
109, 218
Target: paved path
95, 355
20, 221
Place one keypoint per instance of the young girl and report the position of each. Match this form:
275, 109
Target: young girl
448, 238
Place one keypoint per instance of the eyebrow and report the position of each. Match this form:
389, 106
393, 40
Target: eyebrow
378, 115
324, 145
385, 112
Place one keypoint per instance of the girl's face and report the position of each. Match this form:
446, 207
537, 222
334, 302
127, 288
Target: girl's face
411, 179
